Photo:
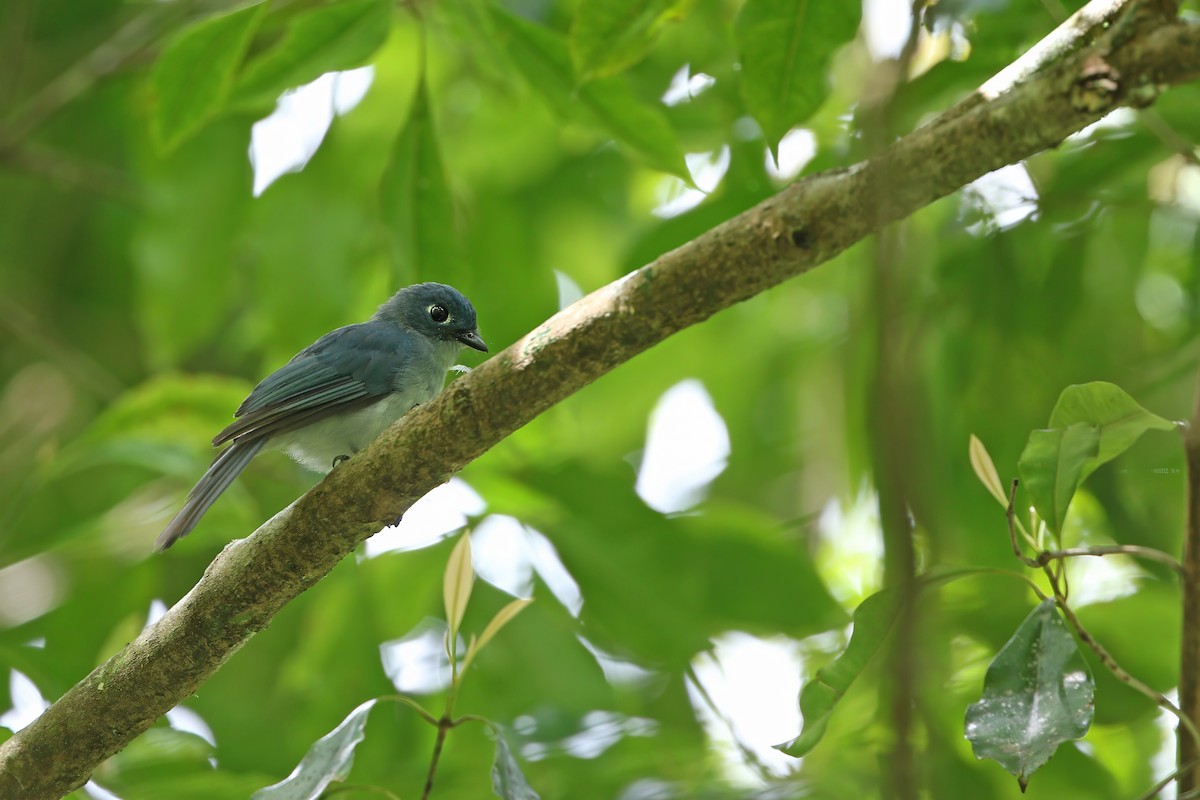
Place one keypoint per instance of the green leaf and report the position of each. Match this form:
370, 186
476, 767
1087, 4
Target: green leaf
328, 760
1052, 465
985, 469
326, 39
607, 104
502, 618
1107, 406
416, 201
1038, 693
872, 620
785, 47
457, 583
508, 781
192, 77
609, 35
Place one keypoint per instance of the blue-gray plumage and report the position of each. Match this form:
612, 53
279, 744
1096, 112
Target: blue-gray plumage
336, 395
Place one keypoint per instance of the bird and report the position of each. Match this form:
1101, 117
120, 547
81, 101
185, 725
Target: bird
339, 393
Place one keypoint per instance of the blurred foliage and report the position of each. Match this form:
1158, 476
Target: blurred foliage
508, 150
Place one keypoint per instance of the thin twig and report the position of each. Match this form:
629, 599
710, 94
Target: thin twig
109, 56
24, 326
1169, 136
414, 705
444, 725
447, 721
1116, 669
749, 757
1134, 550
1153, 791
1010, 515
68, 171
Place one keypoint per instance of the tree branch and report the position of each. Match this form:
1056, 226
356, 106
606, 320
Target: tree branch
1189, 644
803, 226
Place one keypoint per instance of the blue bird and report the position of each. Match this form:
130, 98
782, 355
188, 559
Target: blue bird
339, 393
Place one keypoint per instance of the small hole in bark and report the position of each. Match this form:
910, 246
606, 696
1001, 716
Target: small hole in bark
800, 238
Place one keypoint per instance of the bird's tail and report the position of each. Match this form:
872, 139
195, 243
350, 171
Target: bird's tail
228, 463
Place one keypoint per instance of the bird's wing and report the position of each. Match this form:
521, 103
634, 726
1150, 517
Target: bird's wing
346, 370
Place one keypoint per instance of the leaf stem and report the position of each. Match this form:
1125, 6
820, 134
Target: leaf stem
1010, 515
443, 725
1116, 669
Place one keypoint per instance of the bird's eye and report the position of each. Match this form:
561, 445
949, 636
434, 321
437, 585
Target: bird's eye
438, 313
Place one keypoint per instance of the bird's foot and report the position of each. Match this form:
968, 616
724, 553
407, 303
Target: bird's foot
339, 460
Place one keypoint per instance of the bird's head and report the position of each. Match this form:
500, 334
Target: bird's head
435, 310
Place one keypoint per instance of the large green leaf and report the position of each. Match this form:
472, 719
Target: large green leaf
1038, 693
609, 35
1107, 406
730, 568
872, 620
329, 760
785, 47
607, 104
508, 781
415, 199
1052, 467
193, 76
328, 38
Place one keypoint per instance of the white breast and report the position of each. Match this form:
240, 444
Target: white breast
317, 445
418, 381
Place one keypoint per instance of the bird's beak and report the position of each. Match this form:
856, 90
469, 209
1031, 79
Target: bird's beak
471, 339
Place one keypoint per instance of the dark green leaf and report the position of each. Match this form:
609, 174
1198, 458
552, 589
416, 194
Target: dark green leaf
607, 104
193, 75
328, 760
416, 201
508, 781
1038, 693
329, 38
785, 46
610, 547
1107, 406
1052, 465
609, 35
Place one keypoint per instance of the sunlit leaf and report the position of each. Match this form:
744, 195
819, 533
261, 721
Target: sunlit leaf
1107, 406
194, 73
502, 618
328, 760
1038, 693
985, 470
609, 35
607, 104
508, 781
456, 586
872, 620
1052, 465
416, 201
328, 38
785, 46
